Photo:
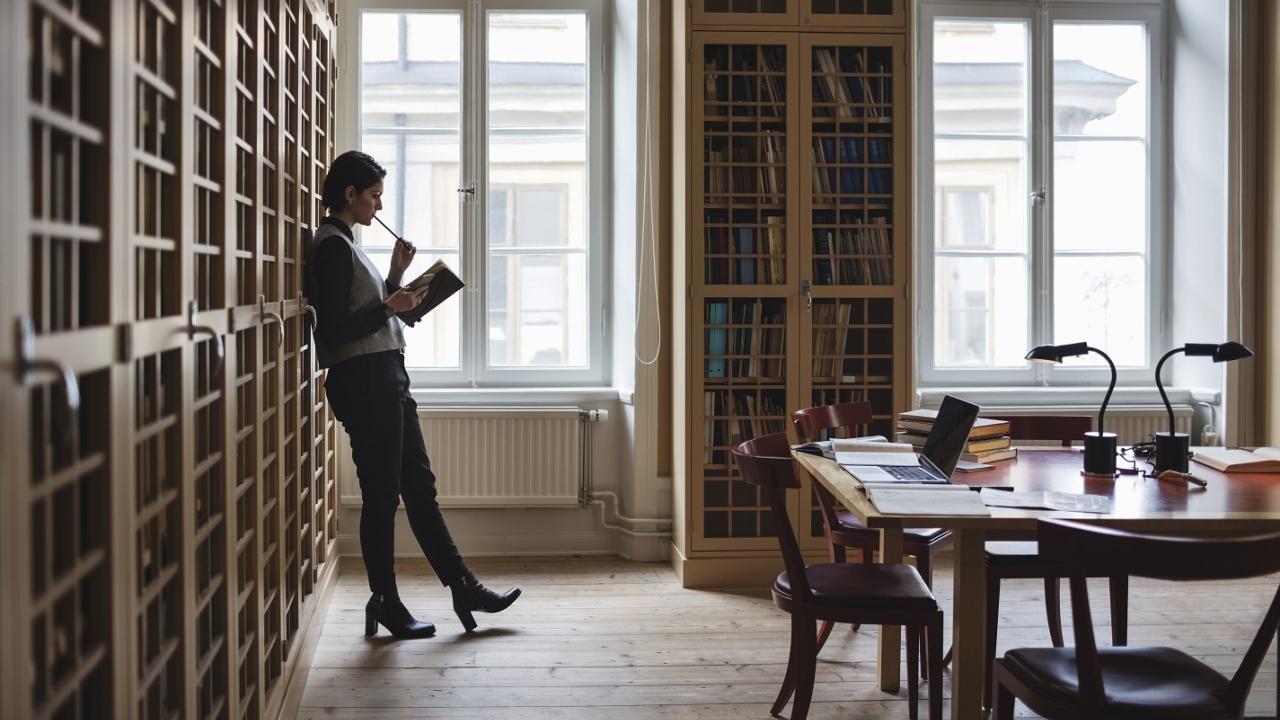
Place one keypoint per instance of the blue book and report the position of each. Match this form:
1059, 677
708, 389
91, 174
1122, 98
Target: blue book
717, 339
746, 265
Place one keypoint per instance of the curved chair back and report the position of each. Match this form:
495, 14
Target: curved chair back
810, 423
765, 462
1088, 550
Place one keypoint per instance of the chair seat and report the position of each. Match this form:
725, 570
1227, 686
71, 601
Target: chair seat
1150, 682
849, 521
890, 587
1005, 552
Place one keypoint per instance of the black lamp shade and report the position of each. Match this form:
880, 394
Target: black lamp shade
1231, 350
1055, 353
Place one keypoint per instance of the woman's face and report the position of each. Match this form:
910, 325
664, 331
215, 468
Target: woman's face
365, 205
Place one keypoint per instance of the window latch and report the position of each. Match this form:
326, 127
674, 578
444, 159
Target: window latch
468, 192
1037, 196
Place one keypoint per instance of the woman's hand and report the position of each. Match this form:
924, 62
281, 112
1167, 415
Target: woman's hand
406, 299
401, 256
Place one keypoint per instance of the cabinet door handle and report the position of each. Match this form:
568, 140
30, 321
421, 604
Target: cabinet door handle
806, 288
28, 363
264, 315
193, 329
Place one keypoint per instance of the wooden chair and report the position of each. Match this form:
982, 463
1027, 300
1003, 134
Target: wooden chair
842, 528
1022, 560
875, 594
1135, 683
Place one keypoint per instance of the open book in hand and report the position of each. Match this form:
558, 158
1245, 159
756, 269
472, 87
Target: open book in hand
443, 284
1263, 460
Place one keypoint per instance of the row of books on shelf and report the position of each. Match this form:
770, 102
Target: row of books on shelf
847, 84
746, 416
761, 254
771, 71
988, 440
744, 175
861, 255
749, 343
849, 150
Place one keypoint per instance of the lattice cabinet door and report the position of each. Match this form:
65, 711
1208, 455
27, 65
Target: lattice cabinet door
62, 468
828, 14
744, 268
771, 13
854, 228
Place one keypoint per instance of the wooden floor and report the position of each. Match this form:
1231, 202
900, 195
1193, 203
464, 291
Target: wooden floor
606, 638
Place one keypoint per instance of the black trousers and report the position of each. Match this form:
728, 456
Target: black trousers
369, 395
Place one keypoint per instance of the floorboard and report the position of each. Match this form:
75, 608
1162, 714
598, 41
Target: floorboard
600, 637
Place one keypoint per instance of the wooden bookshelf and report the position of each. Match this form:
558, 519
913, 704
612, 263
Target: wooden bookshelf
796, 237
165, 551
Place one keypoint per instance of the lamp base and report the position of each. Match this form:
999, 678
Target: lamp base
1100, 454
1171, 451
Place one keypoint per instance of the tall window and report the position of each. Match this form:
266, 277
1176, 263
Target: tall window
1040, 151
486, 117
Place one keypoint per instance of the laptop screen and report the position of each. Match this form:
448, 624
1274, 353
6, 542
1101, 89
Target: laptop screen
945, 443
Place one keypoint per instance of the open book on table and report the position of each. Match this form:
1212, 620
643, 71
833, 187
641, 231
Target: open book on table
857, 451
443, 284
826, 448
1262, 460
927, 500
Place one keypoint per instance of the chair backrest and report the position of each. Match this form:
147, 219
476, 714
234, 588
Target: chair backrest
765, 462
1086, 550
1064, 429
809, 424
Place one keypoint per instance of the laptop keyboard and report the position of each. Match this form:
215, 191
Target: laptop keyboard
908, 473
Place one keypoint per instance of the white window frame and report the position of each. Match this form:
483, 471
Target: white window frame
1040, 18
473, 370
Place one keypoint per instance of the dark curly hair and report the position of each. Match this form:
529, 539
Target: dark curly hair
350, 168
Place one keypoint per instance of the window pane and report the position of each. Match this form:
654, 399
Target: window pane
537, 194
1103, 301
410, 120
979, 76
996, 171
1100, 79
980, 311
433, 342
1100, 195
537, 310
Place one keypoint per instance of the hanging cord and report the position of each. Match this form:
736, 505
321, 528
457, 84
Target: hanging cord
648, 208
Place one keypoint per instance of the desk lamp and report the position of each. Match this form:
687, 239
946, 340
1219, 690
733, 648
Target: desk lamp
1099, 446
1172, 447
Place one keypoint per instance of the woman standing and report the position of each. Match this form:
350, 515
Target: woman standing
358, 338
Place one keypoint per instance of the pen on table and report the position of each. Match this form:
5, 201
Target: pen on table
1174, 476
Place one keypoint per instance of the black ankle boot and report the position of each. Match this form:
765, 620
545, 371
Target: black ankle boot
394, 616
469, 595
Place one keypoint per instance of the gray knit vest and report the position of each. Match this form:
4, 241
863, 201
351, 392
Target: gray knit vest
367, 288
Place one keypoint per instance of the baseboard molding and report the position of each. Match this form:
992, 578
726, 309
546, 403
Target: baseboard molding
746, 570
311, 627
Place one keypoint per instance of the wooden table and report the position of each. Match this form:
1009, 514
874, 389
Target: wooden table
1236, 502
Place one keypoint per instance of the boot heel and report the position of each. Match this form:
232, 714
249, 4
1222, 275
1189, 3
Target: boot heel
468, 621
370, 624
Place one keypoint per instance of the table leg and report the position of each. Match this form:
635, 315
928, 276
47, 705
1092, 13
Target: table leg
890, 635
968, 626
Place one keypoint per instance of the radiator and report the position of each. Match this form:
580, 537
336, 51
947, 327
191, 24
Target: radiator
507, 456
1130, 424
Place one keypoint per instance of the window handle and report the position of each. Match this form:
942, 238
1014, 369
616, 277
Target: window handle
28, 363
468, 192
1037, 196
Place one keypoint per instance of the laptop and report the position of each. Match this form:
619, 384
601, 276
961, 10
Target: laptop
942, 449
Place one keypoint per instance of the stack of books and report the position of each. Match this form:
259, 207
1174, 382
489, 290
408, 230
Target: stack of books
988, 440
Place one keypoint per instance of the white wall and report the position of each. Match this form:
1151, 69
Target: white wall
1198, 181
625, 447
